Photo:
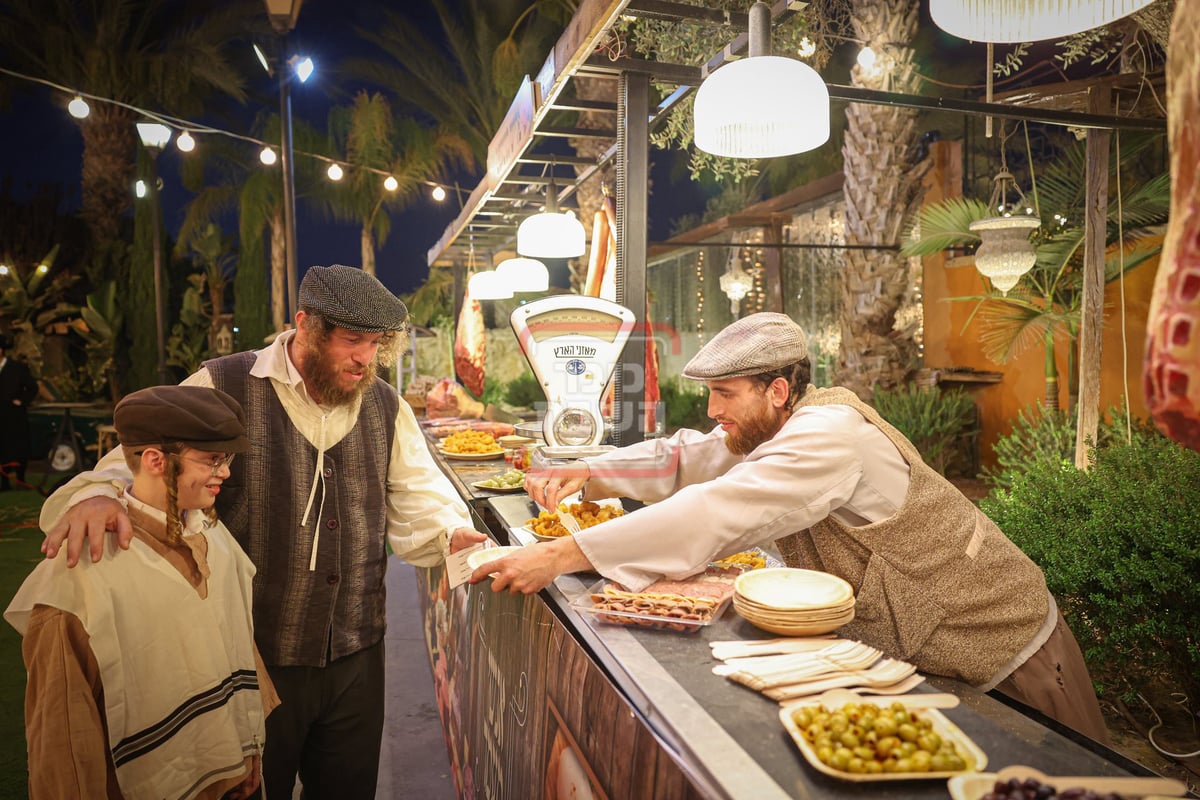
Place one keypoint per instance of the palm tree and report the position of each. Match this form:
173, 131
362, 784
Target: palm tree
464, 80
1045, 305
138, 52
377, 143
882, 189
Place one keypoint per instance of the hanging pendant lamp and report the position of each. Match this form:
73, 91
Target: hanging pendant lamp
551, 234
487, 285
1027, 20
524, 274
762, 106
1005, 252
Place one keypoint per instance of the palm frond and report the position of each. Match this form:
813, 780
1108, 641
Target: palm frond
945, 224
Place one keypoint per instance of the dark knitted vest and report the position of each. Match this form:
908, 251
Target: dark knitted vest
304, 617
937, 584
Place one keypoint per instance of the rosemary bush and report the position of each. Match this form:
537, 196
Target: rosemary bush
936, 422
1120, 547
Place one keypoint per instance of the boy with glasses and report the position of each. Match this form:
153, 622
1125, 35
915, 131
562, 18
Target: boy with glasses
144, 681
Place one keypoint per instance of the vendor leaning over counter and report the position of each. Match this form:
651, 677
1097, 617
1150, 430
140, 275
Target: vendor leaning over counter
839, 490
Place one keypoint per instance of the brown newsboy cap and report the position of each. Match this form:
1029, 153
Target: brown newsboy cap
753, 345
197, 416
352, 299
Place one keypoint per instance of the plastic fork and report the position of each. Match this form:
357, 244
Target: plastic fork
568, 521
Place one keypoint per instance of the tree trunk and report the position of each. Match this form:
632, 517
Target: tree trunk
882, 188
279, 319
108, 169
368, 250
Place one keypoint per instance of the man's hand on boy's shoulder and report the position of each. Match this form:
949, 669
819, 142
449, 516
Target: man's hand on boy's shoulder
92, 519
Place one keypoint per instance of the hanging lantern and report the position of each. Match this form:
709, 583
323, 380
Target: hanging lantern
1005, 252
551, 234
1026, 20
736, 283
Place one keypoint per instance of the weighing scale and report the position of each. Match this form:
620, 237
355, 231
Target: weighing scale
572, 342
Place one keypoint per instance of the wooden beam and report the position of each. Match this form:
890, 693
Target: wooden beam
773, 264
1091, 326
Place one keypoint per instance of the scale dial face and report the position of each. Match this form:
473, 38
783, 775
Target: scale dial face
574, 322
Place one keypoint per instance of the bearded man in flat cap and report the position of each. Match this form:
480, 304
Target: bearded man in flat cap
838, 489
336, 461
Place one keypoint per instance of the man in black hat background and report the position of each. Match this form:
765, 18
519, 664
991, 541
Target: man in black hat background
336, 459
17, 390
115, 648
823, 476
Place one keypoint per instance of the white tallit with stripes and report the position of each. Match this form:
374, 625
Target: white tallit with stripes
180, 688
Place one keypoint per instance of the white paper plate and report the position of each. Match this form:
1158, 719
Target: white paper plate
788, 588
481, 557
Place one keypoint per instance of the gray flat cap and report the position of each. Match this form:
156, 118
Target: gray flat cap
352, 299
751, 346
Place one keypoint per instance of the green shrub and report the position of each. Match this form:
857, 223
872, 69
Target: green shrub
936, 422
1043, 435
524, 391
1120, 547
684, 409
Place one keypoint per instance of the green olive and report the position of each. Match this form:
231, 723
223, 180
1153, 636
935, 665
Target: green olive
886, 726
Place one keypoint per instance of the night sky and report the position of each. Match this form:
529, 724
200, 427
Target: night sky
41, 143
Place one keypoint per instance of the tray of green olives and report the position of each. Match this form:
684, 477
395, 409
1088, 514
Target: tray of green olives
880, 742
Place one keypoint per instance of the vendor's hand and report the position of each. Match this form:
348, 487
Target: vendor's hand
89, 520
462, 538
548, 486
533, 567
250, 785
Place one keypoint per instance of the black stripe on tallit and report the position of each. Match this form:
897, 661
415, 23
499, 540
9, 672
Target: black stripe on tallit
144, 741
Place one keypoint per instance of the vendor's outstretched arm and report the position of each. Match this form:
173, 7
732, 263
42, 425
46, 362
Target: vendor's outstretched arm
534, 567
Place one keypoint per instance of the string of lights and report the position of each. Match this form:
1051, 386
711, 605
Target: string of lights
78, 107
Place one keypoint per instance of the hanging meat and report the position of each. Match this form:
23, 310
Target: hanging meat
470, 345
1171, 375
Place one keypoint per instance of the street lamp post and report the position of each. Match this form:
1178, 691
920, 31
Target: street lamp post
282, 14
154, 138
289, 184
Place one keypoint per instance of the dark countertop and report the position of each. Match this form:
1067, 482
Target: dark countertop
730, 737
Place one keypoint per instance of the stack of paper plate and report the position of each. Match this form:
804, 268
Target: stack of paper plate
794, 602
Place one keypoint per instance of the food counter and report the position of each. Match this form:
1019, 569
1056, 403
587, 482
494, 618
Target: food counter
539, 700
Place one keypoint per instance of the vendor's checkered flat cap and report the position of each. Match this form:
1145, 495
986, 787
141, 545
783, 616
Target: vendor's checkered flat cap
197, 416
751, 346
352, 299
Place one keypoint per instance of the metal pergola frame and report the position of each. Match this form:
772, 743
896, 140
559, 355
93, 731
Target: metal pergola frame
518, 171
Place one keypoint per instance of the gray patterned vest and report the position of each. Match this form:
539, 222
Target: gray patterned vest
937, 583
304, 617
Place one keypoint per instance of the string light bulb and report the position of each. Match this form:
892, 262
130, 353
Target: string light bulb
3, 270
185, 142
267, 156
335, 172
438, 194
139, 188
78, 108
390, 183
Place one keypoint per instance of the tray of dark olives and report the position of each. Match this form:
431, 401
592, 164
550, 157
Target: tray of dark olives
1025, 783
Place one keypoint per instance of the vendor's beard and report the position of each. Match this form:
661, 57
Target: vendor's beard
321, 378
752, 432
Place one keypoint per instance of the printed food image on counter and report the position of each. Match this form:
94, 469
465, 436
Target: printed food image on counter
568, 775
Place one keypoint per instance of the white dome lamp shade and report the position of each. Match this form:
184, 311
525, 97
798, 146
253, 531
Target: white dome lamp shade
524, 274
551, 234
762, 106
1005, 21
487, 285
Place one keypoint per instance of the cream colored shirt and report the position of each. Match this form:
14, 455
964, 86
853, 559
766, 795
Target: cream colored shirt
423, 508
707, 503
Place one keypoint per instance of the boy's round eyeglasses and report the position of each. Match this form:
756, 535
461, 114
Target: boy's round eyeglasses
215, 462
